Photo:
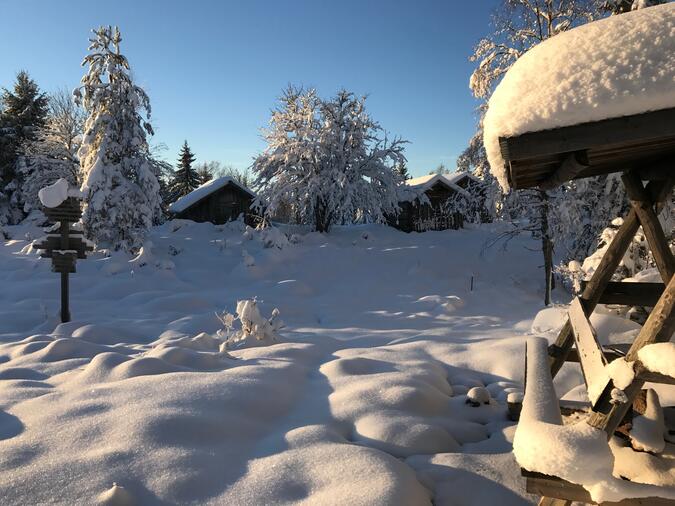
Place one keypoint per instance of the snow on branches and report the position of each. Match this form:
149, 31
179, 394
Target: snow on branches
120, 185
328, 161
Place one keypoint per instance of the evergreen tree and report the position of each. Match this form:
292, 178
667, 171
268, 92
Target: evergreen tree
185, 177
401, 170
23, 110
120, 186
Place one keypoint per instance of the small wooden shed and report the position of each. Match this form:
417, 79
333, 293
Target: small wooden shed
435, 213
218, 201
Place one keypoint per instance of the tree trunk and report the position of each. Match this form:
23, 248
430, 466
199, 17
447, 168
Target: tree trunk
546, 245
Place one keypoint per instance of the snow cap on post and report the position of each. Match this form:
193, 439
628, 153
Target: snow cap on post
581, 76
55, 194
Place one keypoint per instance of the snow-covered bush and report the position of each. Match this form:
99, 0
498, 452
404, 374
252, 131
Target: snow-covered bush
120, 185
272, 237
255, 330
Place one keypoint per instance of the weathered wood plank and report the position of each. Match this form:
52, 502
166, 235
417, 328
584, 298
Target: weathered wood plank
610, 352
628, 129
591, 358
643, 205
554, 487
630, 294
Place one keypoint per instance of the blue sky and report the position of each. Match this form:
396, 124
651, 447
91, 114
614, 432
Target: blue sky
213, 69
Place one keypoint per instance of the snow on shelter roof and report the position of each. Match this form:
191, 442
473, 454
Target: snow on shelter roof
426, 182
205, 190
584, 75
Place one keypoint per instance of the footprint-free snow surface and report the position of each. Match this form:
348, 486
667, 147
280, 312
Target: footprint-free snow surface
363, 402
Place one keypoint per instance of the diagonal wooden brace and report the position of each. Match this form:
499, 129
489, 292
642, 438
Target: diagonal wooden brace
659, 328
643, 205
658, 191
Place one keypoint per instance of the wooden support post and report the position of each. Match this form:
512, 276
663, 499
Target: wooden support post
65, 307
659, 328
643, 206
603, 274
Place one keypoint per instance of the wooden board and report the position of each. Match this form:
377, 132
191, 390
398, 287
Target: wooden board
630, 294
590, 353
550, 486
611, 145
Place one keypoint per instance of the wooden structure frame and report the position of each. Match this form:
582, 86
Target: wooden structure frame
643, 148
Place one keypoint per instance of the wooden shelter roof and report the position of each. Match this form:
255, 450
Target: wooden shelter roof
550, 157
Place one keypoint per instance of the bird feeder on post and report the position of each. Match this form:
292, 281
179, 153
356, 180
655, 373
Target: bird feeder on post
64, 244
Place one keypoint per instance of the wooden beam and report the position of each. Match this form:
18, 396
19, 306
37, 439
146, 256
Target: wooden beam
590, 353
611, 132
553, 487
642, 203
659, 328
604, 272
630, 294
610, 352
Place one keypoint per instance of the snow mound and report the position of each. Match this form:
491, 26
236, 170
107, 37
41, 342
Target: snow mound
116, 496
403, 436
659, 357
579, 76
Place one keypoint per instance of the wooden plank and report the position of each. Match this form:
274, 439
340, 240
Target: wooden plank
603, 274
554, 487
630, 294
591, 358
648, 126
610, 352
641, 202
658, 328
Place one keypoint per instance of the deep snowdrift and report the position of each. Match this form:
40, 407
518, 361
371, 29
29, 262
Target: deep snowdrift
364, 400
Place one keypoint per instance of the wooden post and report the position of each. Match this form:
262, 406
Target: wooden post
65, 309
656, 239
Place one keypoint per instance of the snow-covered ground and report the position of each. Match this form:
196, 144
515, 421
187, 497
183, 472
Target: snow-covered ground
363, 402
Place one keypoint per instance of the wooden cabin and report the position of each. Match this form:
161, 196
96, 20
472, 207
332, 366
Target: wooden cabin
218, 201
436, 212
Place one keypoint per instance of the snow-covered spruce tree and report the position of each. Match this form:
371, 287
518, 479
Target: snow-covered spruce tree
23, 110
401, 170
517, 26
474, 159
120, 186
328, 160
52, 154
185, 177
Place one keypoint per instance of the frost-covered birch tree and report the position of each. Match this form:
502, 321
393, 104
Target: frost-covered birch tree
120, 186
329, 160
52, 153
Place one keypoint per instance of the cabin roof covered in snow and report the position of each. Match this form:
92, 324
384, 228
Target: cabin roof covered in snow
581, 77
204, 191
451, 180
